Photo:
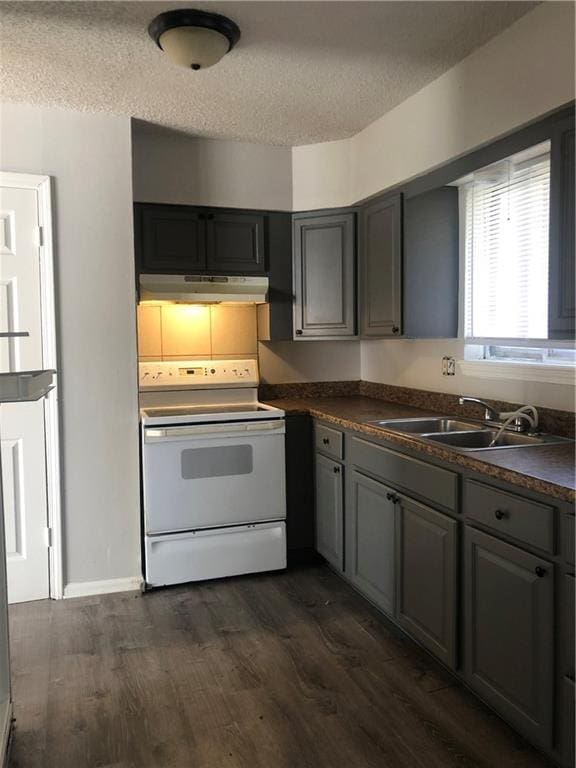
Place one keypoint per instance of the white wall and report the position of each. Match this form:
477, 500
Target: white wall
174, 168
418, 364
519, 75
290, 361
89, 158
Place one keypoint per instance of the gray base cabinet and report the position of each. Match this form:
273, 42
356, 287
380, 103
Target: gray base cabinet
509, 632
370, 523
427, 576
329, 511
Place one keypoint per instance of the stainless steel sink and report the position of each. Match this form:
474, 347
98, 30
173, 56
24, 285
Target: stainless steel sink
427, 426
480, 440
465, 435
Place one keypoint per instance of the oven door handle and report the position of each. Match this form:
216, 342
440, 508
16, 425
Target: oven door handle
154, 434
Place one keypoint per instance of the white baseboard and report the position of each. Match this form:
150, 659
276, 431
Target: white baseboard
104, 587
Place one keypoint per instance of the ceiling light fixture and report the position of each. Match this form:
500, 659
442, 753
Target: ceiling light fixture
194, 39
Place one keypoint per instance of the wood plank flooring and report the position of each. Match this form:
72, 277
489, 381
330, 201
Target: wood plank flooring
286, 670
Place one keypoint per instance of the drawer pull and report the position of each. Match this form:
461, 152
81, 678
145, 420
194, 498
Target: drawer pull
539, 571
336, 470
499, 515
326, 441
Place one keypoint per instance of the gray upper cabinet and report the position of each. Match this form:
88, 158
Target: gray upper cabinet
427, 577
185, 239
509, 632
169, 238
381, 266
324, 275
235, 242
431, 264
370, 541
561, 304
329, 511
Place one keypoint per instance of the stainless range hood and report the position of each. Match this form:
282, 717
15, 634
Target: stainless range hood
197, 289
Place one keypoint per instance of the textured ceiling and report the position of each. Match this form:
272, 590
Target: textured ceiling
302, 72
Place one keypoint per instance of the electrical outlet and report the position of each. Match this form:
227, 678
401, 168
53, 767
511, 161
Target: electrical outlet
448, 366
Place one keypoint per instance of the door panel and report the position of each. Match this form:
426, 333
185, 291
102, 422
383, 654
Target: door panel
370, 540
324, 259
562, 290
22, 424
235, 243
20, 280
381, 267
172, 239
427, 578
329, 511
509, 633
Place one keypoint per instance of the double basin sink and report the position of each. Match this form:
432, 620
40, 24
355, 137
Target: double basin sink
465, 435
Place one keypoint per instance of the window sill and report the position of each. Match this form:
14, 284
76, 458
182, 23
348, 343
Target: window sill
494, 369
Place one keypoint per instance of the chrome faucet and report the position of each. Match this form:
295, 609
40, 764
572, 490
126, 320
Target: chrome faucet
520, 420
490, 414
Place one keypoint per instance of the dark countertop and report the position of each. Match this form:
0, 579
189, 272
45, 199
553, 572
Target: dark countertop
546, 469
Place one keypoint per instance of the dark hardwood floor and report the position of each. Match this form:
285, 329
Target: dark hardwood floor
275, 671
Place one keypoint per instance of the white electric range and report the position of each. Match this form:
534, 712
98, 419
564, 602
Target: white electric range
213, 471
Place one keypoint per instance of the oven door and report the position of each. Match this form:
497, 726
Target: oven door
210, 475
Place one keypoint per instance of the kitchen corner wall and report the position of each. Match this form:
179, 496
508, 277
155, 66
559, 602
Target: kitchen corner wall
174, 168
519, 75
88, 158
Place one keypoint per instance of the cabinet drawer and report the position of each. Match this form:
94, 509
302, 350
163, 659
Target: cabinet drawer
567, 538
328, 441
521, 519
418, 478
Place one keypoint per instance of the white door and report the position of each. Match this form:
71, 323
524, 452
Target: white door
22, 431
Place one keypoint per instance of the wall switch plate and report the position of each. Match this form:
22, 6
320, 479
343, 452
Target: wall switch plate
448, 366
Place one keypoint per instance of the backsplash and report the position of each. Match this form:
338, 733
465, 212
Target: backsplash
202, 332
551, 420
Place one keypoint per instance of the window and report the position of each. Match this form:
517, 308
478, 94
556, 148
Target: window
505, 210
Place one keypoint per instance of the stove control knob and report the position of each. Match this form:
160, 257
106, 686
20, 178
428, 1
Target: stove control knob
212, 370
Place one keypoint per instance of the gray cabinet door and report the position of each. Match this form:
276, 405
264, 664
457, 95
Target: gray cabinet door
171, 239
431, 264
426, 577
329, 513
370, 522
235, 242
509, 632
562, 287
324, 276
381, 267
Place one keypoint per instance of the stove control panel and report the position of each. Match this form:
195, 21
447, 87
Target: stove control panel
203, 374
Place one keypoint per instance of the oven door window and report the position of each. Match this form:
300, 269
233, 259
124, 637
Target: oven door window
223, 461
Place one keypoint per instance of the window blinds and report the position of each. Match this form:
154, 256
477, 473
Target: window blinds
506, 248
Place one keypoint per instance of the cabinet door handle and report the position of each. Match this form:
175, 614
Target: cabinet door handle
499, 515
336, 470
298, 332
393, 498
539, 571
395, 329
326, 441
